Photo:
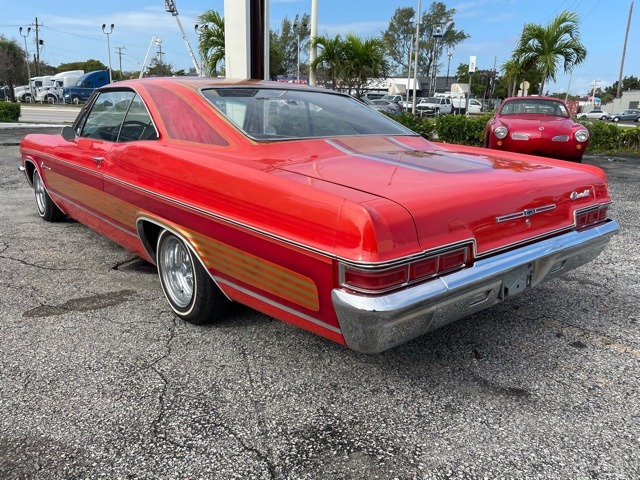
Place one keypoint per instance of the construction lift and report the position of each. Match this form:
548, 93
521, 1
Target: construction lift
170, 7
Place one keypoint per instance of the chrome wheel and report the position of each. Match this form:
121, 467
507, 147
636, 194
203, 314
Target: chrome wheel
187, 285
176, 268
41, 193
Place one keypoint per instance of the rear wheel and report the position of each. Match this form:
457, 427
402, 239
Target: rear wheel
190, 290
48, 210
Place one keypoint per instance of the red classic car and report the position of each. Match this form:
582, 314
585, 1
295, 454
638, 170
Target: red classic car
311, 207
536, 126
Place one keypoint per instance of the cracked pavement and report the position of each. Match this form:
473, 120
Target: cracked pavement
99, 380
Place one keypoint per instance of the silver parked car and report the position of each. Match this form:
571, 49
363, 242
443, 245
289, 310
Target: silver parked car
597, 114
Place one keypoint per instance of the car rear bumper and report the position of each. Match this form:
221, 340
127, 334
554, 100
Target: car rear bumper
375, 324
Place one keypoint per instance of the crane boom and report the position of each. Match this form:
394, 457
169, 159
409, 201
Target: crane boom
170, 7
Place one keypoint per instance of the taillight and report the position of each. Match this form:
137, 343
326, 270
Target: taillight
374, 280
383, 279
591, 216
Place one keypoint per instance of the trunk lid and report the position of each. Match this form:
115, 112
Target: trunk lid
461, 193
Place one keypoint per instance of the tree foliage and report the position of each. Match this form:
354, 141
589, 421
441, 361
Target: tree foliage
399, 38
286, 42
88, 66
12, 64
350, 62
547, 46
211, 41
158, 68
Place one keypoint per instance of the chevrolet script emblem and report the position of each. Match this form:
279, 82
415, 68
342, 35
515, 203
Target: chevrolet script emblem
583, 194
525, 213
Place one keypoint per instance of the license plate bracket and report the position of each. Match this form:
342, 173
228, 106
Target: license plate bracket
516, 281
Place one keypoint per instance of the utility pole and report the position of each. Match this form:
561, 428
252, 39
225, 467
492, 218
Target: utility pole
37, 55
160, 52
624, 52
119, 50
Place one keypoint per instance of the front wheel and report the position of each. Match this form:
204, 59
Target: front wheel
190, 290
48, 210
615, 119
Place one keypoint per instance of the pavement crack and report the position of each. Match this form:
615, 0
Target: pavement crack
156, 425
40, 267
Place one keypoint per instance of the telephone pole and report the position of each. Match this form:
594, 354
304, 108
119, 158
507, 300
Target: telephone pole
37, 55
624, 52
119, 50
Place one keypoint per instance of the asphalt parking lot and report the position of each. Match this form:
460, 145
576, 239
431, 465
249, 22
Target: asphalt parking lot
98, 380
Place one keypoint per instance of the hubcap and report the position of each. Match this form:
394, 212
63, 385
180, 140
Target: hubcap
177, 271
40, 192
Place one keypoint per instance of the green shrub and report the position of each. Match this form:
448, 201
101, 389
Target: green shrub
458, 129
610, 138
9, 112
422, 126
461, 129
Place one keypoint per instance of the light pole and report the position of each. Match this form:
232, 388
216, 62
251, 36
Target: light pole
415, 63
26, 50
296, 27
436, 33
449, 55
104, 27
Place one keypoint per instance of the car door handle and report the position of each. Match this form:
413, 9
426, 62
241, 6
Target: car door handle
98, 160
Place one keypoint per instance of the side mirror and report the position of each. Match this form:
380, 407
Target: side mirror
68, 133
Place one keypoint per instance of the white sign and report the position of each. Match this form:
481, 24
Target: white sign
472, 64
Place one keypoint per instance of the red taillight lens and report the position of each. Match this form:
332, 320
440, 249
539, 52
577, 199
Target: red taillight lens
386, 279
592, 216
452, 260
423, 268
374, 280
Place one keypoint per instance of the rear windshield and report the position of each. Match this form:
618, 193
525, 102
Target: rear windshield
274, 113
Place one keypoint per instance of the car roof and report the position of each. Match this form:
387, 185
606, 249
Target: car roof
197, 83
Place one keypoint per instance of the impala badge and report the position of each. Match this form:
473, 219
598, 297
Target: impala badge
529, 212
583, 194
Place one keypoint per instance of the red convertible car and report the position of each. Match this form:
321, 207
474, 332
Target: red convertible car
311, 207
537, 126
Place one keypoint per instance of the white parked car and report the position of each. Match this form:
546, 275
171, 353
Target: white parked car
597, 114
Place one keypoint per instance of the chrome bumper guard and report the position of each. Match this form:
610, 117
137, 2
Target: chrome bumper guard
375, 324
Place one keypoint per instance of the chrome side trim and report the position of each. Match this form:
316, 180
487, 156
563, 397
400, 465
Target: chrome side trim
373, 324
279, 306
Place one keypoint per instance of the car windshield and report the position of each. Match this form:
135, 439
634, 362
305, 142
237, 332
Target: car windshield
274, 113
534, 106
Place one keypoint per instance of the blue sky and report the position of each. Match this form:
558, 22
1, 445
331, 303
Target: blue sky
72, 30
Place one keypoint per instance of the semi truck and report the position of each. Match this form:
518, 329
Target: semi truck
84, 87
52, 93
28, 92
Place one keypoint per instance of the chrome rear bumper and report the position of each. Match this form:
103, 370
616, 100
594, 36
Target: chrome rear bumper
375, 324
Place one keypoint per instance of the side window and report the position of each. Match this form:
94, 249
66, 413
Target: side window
137, 124
107, 113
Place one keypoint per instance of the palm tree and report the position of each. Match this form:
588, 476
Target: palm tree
546, 46
211, 41
365, 59
331, 58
